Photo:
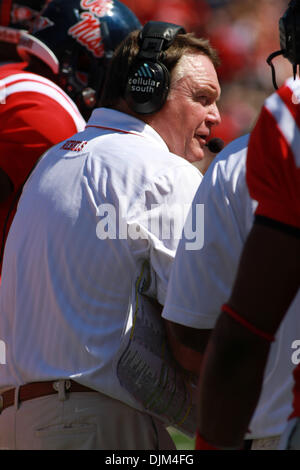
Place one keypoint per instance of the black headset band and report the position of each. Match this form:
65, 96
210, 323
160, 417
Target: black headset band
156, 37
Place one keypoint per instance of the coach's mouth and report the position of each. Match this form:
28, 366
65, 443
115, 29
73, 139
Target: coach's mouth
202, 139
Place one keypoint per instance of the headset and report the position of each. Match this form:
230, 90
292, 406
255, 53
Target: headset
148, 81
289, 33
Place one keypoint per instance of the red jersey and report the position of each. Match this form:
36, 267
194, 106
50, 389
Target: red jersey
273, 160
273, 167
34, 115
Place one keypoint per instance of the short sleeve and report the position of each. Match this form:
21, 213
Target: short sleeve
201, 279
30, 123
273, 160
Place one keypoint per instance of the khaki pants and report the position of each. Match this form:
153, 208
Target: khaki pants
80, 421
290, 439
265, 443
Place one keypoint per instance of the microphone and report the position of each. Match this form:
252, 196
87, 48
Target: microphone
215, 145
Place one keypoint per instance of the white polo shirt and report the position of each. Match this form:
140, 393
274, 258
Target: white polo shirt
201, 281
92, 210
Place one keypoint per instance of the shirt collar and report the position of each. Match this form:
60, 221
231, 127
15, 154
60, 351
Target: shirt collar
118, 121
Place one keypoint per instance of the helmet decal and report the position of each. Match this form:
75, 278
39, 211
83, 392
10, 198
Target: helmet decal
98, 7
87, 31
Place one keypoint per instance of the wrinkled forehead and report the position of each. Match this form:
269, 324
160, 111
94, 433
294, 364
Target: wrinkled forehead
197, 67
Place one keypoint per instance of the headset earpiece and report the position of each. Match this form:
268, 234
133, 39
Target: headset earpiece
148, 81
147, 87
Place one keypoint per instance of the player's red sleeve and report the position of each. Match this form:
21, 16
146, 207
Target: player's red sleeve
273, 160
29, 127
35, 114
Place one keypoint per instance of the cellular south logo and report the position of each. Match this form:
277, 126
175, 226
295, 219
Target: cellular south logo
144, 71
143, 80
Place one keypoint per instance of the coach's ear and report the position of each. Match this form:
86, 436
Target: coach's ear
6, 186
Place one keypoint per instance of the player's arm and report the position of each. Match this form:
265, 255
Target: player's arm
235, 359
267, 280
6, 186
26, 131
187, 345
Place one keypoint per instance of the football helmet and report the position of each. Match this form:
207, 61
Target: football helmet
289, 37
76, 39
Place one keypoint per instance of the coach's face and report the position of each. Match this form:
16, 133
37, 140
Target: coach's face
190, 112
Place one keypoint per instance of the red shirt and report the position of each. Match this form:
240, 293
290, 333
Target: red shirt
34, 115
273, 168
273, 160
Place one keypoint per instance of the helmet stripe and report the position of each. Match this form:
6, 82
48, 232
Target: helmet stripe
286, 123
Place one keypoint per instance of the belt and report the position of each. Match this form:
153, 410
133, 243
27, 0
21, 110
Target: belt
39, 389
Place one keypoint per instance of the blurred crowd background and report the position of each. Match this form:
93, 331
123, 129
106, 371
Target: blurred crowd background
244, 32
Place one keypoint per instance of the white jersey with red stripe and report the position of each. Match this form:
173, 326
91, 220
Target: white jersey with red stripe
97, 205
273, 159
35, 114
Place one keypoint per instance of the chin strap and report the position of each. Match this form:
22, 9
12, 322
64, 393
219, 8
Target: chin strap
269, 62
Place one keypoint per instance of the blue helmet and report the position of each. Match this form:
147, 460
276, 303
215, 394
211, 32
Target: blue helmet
76, 39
